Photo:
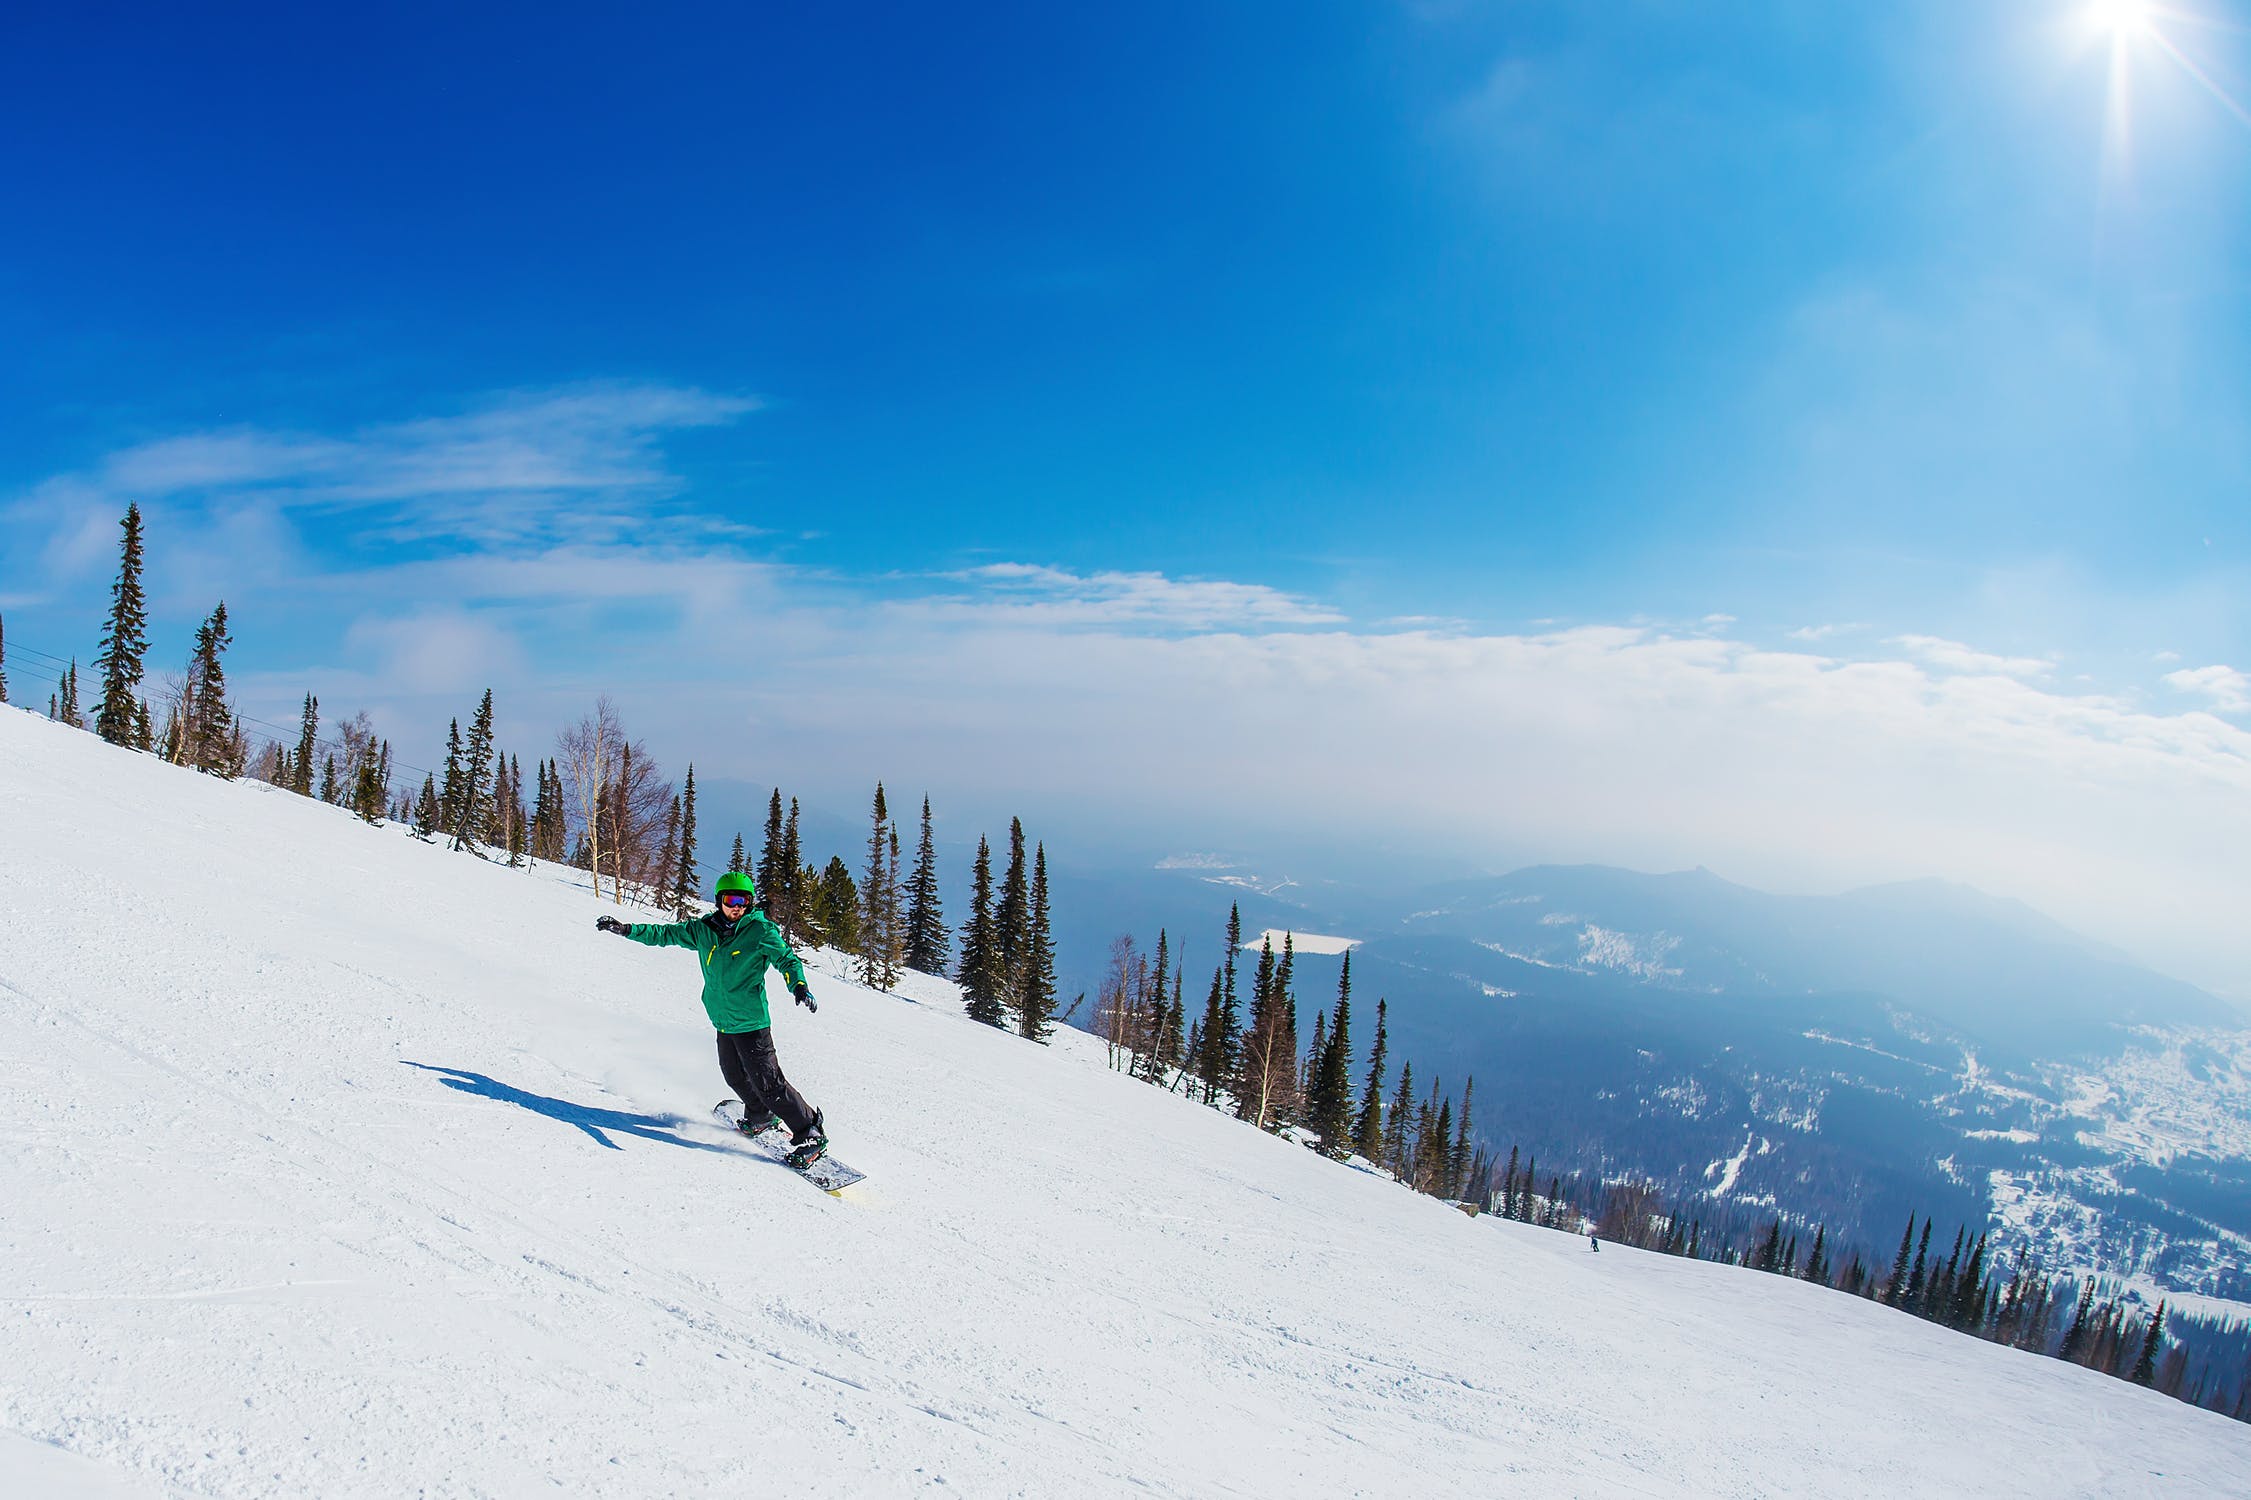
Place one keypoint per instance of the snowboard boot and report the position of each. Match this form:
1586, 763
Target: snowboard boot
752, 1125
806, 1149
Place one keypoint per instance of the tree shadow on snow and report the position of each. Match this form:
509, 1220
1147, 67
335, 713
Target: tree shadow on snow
585, 1117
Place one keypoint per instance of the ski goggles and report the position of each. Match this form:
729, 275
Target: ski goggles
734, 901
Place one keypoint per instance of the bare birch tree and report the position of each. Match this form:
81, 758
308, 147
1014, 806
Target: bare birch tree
588, 753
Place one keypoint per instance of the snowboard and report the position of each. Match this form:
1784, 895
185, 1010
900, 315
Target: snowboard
825, 1172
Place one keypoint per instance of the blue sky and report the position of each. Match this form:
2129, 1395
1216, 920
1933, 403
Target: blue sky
1008, 375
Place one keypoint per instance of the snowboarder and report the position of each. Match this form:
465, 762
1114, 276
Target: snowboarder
738, 943
1593, 1244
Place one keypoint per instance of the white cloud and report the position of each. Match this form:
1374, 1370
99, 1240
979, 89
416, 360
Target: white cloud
1956, 657
526, 467
1188, 712
1032, 595
1171, 711
2228, 689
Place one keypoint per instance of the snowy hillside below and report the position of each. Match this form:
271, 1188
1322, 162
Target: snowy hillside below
335, 1164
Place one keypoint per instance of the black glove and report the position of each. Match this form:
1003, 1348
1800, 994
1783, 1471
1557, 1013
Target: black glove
804, 997
610, 924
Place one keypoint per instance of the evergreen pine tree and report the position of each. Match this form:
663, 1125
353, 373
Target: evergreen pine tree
207, 727
328, 779
687, 885
832, 907
735, 860
1367, 1130
67, 709
769, 875
1331, 1095
1769, 1254
1175, 1019
144, 737
875, 910
1287, 1102
449, 789
1434, 1150
308, 735
1817, 1265
1508, 1185
2075, 1337
1219, 1036
1036, 1008
1895, 1290
1012, 923
475, 759
547, 806
1146, 1035
1398, 1138
1207, 1061
1254, 1099
895, 916
1459, 1164
428, 813
1230, 1011
370, 795
791, 871
1914, 1300
928, 942
124, 642
2145, 1367
978, 983
519, 822
1969, 1292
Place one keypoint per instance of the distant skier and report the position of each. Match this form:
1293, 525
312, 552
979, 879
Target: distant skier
1593, 1244
739, 944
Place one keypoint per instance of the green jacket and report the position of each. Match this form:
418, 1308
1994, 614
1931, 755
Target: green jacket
735, 962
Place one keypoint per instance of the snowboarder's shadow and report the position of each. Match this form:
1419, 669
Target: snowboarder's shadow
585, 1117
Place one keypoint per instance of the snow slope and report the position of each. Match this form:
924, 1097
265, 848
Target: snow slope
333, 1164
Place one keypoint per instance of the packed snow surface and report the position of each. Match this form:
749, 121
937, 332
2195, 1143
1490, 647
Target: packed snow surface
335, 1164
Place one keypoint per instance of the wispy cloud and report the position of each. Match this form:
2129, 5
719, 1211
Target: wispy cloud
1039, 596
522, 468
2228, 690
1953, 656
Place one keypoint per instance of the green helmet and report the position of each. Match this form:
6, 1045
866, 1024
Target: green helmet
735, 880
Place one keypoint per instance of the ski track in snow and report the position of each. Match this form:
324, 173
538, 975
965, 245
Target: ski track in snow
335, 1164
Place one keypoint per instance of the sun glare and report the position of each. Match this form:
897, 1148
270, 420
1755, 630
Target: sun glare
2140, 35
2122, 18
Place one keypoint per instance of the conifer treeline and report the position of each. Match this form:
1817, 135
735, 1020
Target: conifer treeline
1253, 1067
601, 803
1965, 1289
890, 925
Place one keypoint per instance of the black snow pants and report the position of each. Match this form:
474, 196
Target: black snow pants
747, 1060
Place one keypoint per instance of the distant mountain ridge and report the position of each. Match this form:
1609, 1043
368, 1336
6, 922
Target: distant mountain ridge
1999, 971
1918, 1047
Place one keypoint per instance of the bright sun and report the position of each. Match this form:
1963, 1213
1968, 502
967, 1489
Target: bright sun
2123, 18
